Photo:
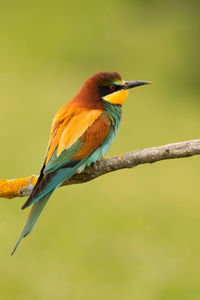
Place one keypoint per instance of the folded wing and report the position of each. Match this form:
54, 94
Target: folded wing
72, 143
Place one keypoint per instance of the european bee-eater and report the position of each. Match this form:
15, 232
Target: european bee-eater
82, 132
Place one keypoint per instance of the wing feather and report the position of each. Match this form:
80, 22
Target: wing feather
76, 128
93, 137
68, 126
61, 161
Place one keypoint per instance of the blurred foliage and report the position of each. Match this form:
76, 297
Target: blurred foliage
133, 234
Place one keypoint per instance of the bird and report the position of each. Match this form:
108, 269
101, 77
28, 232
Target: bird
81, 134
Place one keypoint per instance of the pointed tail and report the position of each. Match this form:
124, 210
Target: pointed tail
32, 218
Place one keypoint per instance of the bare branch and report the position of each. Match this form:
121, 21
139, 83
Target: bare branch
22, 187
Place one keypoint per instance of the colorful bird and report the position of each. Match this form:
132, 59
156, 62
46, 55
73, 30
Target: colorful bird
82, 132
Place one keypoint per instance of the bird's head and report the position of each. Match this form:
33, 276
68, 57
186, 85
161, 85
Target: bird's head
112, 87
107, 86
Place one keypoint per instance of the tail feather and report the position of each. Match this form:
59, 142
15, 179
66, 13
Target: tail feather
32, 218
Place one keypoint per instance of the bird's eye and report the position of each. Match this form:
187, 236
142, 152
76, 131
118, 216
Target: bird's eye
112, 87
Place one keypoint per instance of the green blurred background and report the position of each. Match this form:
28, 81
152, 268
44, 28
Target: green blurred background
133, 234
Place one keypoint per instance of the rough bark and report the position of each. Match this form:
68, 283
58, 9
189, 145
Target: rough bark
22, 187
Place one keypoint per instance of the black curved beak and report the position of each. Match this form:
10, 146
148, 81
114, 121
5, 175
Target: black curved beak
132, 84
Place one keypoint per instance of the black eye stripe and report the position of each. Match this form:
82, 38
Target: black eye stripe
105, 90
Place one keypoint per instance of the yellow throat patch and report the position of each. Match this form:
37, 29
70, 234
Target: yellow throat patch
117, 97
